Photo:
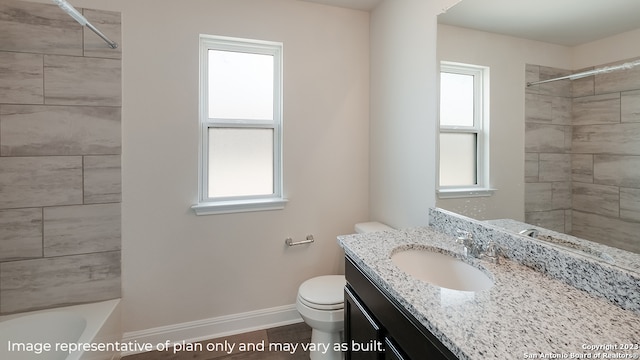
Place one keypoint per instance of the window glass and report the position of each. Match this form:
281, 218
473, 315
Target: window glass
456, 99
240, 162
240, 167
240, 85
458, 156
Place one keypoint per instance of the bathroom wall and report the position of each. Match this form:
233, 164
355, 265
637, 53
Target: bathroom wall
581, 170
605, 159
506, 57
403, 110
179, 269
60, 146
547, 146
556, 194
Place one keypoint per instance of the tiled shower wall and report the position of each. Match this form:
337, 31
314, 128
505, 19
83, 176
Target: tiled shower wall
60, 145
604, 159
548, 150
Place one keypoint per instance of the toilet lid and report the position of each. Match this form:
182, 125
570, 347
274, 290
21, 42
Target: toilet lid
323, 291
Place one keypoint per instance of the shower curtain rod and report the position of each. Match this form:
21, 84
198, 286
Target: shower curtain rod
64, 5
580, 75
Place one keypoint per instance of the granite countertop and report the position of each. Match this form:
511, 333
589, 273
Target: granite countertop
525, 315
621, 258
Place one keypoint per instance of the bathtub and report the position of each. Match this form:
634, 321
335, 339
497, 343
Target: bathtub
34, 335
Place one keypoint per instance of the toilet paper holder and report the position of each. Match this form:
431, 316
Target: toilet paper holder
289, 241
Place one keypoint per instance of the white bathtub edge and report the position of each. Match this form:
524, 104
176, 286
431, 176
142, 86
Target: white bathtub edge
103, 324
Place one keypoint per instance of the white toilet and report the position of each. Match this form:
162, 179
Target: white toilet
321, 304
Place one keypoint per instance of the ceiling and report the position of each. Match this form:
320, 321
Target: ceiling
352, 4
563, 22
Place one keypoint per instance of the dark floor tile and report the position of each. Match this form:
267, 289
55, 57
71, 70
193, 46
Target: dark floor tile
266, 355
291, 334
295, 334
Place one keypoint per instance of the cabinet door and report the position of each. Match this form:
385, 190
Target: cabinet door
391, 351
361, 331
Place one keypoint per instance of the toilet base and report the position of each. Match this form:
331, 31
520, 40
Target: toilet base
330, 338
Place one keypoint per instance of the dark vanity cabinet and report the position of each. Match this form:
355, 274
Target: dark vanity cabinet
377, 328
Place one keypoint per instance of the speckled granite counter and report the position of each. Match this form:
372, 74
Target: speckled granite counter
525, 315
614, 256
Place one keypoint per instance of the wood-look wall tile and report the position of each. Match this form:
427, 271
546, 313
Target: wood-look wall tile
49, 282
28, 130
532, 74
583, 86
582, 168
538, 109
102, 179
598, 109
82, 81
621, 139
617, 170
597, 199
606, 230
616, 81
561, 109
21, 78
561, 195
40, 181
109, 24
568, 224
568, 138
531, 167
552, 220
537, 197
555, 88
630, 106
545, 138
38, 28
555, 167
21, 235
630, 204
81, 229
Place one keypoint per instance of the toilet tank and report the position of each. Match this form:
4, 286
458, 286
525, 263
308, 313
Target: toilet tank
372, 226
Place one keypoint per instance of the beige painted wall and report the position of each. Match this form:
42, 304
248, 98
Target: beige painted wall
506, 56
403, 110
178, 267
611, 49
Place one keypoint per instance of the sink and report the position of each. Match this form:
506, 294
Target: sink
441, 270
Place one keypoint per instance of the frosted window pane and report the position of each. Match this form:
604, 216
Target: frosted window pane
240, 162
240, 85
456, 99
458, 159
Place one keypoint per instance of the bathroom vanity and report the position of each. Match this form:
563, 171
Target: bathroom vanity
528, 312
380, 328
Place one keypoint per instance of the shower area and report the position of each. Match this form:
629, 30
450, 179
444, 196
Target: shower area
60, 146
582, 154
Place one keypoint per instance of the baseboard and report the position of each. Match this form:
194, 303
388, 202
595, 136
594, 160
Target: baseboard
212, 328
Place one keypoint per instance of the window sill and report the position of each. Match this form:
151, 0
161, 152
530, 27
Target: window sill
237, 206
465, 193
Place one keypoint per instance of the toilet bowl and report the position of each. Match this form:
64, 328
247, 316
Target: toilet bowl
320, 303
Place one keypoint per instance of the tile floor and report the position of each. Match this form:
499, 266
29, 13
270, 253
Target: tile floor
296, 333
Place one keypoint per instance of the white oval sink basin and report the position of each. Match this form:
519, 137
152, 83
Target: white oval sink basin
441, 270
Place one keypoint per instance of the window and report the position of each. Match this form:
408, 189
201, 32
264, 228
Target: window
463, 161
241, 126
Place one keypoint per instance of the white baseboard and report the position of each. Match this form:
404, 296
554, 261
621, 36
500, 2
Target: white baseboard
212, 328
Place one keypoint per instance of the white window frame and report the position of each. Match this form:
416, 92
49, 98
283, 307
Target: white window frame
480, 128
232, 204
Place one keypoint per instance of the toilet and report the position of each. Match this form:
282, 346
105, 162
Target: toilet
320, 303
